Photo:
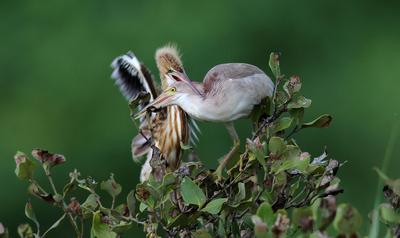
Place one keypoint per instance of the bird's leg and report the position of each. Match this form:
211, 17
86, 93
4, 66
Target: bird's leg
236, 144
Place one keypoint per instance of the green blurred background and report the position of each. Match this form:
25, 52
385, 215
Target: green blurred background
56, 92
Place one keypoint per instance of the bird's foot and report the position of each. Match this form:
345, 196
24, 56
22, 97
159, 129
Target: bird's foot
218, 176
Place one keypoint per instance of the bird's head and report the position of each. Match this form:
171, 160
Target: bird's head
171, 69
168, 59
177, 94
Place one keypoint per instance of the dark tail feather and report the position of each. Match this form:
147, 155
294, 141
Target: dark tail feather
133, 77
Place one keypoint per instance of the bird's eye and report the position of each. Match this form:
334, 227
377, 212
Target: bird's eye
170, 70
173, 89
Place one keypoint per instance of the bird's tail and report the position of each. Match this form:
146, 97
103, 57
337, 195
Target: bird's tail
133, 77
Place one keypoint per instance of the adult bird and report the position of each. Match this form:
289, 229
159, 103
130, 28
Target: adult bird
228, 92
170, 126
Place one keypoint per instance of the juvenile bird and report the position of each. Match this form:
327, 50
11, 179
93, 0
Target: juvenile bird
171, 124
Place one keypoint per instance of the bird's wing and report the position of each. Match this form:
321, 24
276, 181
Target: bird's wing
193, 129
140, 146
230, 71
133, 77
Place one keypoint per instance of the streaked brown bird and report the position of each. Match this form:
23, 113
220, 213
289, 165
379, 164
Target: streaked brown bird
170, 125
228, 92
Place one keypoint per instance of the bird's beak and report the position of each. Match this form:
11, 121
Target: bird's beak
182, 77
159, 102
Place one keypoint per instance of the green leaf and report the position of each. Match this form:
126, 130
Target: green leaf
301, 212
31, 214
283, 124
70, 187
297, 114
131, 203
116, 214
314, 169
292, 87
215, 205
90, 204
321, 122
241, 193
301, 102
122, 228
266, 214
111, 186
303, 164
292, 230
153, 183
191, 193
239, 207
287, 165
25, 230
274, 64
388, 214
168, 211
347, 219
282, 98
25, 169
221, 229
58, 223
233, 162
389, 233
168, 179
260, 227
185, 147
277, 146
165, 197
396, 187
257, 152
142, 207
141, 98
200, 234
266, 197
258, 110
183, 220
34, 191
294, 187
295, 164
101, 229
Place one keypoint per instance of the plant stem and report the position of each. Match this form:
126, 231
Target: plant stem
37, 185
291, 133
374, 232
113, 202
83, 225
73, 223
51, 182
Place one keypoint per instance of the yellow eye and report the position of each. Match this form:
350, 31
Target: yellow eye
173, 89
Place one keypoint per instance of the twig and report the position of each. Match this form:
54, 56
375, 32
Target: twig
37, 185
51, 182
294, 131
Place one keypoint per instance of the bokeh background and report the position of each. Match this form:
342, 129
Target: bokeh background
56, 92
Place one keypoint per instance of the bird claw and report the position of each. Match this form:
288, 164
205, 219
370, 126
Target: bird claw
218, 176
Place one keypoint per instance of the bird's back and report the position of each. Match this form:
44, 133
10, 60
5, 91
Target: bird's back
239, 83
